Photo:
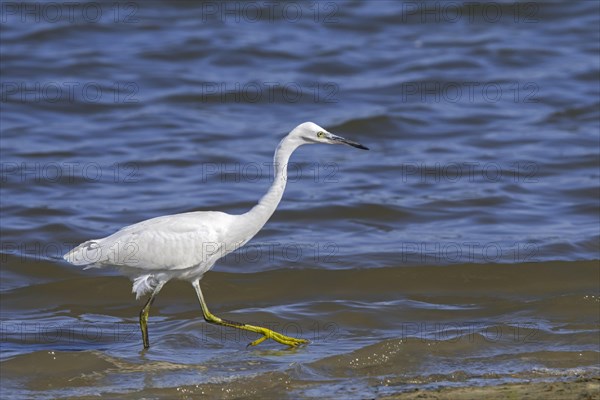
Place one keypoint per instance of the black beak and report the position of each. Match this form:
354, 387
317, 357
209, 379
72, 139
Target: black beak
340, 140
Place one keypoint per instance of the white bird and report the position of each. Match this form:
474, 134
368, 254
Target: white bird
186, 246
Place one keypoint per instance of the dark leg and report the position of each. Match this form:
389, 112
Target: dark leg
144, 315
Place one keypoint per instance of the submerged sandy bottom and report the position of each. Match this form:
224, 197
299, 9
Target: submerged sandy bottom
582, 388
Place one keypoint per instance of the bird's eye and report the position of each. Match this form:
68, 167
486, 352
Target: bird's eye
320, 134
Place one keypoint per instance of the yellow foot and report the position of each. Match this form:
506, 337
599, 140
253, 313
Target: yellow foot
279, 338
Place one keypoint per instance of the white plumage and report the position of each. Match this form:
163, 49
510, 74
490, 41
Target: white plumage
185, 246
159, 249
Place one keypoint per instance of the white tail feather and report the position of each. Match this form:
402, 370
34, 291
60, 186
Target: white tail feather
144, 284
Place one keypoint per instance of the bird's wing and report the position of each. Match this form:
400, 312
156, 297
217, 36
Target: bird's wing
171, 242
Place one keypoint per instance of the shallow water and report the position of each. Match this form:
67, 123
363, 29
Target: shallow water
462, 249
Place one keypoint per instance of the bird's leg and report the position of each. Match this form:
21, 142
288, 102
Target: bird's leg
144, 321
267, 333
144, 315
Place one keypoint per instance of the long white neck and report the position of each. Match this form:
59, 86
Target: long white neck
258, 216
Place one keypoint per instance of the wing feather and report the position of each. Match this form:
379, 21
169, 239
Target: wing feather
171, 242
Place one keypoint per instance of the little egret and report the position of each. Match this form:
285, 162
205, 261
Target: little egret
185, 246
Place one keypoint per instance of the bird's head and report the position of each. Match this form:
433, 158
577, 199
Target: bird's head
311, 133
